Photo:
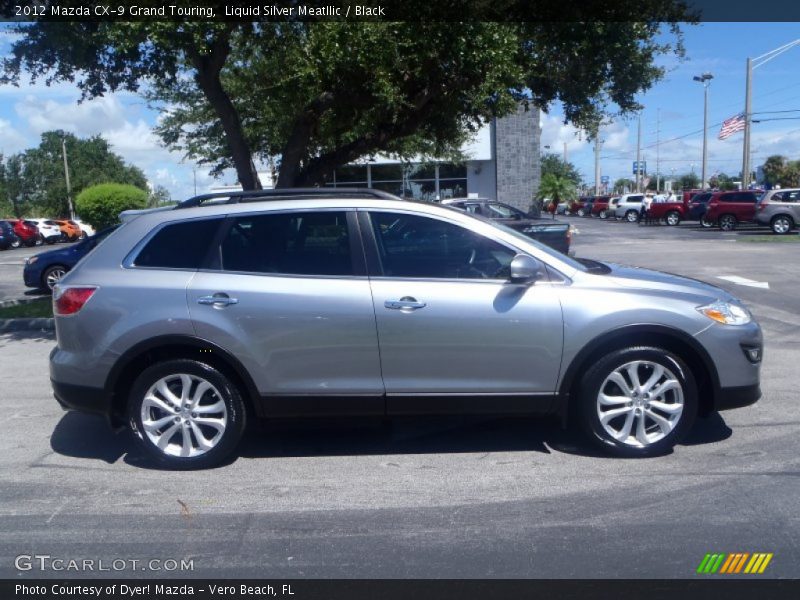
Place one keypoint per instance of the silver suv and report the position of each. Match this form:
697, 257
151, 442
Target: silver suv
780, 209
186, 323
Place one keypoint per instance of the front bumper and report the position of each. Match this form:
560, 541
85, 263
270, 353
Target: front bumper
32, 277
737, 397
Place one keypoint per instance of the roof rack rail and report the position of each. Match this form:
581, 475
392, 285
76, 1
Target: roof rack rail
284, 193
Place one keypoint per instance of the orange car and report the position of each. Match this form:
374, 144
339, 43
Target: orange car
70, 229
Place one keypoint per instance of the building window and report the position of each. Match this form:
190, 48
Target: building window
421, 181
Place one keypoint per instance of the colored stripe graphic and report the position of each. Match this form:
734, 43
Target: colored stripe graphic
734, 563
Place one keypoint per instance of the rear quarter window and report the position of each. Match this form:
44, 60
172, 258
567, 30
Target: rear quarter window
181, 245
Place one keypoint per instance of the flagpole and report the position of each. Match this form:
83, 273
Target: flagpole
747, 115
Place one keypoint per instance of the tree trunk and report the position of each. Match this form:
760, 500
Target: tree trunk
208, 70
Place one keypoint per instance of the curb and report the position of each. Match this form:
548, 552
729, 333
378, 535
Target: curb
38, 324
18, 301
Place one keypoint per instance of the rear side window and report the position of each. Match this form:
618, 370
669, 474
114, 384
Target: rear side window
179, 245
301, 243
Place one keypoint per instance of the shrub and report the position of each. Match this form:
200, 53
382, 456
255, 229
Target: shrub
100, 205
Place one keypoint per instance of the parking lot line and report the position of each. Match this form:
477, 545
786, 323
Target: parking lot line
744, 281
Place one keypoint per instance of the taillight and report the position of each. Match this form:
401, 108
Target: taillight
68, 301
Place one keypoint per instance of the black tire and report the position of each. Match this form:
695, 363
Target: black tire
782, 224
632, 216
223, 389
52, 275
50, 240
16, 243
603, 214
727, 222
589, 405
705, 223
673, 218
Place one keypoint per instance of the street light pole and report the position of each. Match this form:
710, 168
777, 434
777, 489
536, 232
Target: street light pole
66, 177
639, 155
705, 79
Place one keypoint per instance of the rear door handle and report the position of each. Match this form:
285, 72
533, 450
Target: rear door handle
217, 300
407, 303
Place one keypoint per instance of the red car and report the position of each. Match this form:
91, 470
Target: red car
728, 209
27, 232
600, 206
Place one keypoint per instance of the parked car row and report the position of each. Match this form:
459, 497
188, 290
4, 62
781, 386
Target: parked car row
35, 232
776, 209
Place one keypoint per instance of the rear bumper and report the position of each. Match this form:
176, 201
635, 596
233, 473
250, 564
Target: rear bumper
737, 397
82, 398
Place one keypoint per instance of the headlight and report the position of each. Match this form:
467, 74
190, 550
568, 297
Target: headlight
726, 313
31, 260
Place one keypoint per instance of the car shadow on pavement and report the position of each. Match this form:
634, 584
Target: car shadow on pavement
708, 430
402, 435
87, 436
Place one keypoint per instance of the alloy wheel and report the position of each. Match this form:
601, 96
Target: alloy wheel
53, 275
640, 403
183, 415
727, 223
673, 219
632, 216
781, 225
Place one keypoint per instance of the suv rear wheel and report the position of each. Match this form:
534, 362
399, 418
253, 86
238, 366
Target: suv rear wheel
673, 218
782, 224
638, 401
185, 414
727, 222
632, 216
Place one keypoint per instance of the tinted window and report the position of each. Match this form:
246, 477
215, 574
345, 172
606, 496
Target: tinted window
413, 246
793, 196
701, 198
302, 243
179, 245
503, 212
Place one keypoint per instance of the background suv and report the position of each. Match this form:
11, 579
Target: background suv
780, 209
187, 322
728, 209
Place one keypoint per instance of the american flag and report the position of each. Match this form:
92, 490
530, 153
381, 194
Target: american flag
731, 126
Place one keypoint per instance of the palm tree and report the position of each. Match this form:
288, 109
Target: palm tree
555, 189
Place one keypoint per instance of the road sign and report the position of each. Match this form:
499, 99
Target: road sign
604, 179
642, 167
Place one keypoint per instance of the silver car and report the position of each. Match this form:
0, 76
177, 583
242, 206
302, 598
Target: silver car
780, 209
187, 323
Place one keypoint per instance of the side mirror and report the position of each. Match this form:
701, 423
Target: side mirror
525, 269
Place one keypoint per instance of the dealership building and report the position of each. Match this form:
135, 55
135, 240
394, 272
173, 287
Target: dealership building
502, 163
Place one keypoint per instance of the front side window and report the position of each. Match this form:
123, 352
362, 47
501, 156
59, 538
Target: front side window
301, 243
416, 246
183, 245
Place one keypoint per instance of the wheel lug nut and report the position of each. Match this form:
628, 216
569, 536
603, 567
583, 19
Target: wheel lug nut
177, 419
194, 415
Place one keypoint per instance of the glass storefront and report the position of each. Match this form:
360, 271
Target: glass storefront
421, 181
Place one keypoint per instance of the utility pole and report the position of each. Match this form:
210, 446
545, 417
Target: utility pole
748, 111
639, 156
565, 153
194, 175
658, 151
66, 177
597, 160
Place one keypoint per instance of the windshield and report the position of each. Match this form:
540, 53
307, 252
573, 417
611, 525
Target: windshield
504, 211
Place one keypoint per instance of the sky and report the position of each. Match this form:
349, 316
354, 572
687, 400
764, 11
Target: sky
673, 114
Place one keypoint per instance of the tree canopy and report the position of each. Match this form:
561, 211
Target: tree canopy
34, 179
555, 165
312, 96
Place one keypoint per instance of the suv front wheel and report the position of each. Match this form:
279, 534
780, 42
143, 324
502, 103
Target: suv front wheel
186, 414
638, 401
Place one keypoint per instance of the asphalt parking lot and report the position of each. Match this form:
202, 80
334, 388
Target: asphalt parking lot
433, 498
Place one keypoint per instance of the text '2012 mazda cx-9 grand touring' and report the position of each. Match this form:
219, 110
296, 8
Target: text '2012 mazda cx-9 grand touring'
188, 322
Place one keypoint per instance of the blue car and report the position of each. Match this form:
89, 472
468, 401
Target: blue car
8, 239
44, 270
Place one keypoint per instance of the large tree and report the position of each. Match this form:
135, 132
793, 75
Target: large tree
315, 95
35, 177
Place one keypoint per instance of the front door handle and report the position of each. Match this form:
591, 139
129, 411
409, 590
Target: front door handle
406, 303
218, 300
